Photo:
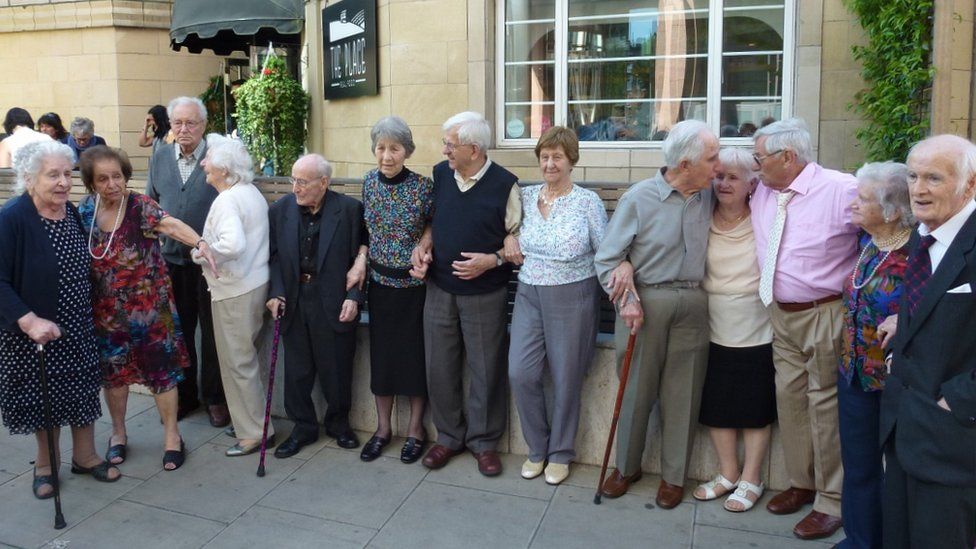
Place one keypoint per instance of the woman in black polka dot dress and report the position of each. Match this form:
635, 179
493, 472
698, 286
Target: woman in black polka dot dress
45, 297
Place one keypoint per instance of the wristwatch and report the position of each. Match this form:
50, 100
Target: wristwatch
498, 260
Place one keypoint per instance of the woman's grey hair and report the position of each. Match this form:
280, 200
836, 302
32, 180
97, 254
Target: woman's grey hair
891, 189
29, 160
184, 100
322, 166
684, 142
472, 129
789, 134
82, 126
230, 154
393, 128
740, 160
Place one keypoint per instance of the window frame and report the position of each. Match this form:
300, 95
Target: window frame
715, 56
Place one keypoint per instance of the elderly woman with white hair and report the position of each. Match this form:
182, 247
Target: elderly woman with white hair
45, 299
739, 392
236, 231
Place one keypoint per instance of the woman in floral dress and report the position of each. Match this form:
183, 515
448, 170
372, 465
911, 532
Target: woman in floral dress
137, 330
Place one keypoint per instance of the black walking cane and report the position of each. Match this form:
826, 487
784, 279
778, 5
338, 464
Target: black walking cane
51, 454
624, 375
271, 377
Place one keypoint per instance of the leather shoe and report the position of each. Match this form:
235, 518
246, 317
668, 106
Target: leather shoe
412, 449
346, 439
817, 525
373, 448
438, 456
790, 501
291, 446
669, 495
617, 485
239, 450
219, 415
488, 463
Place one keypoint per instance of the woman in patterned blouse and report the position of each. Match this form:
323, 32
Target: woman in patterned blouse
557, 304
398, 205
871, 294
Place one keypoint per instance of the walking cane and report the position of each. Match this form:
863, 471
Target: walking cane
624, 375
51, 454
271, 375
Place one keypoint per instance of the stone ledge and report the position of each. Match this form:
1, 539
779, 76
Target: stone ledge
33, 15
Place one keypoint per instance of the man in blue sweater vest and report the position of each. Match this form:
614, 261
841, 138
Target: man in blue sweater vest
476, 205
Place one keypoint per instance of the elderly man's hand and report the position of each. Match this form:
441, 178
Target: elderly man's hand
474, 265
40, 330
277, 307
887, 329
513, 252
621, 284
349, 309
633, 315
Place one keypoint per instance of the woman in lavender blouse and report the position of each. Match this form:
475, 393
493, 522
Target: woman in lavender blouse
556, 307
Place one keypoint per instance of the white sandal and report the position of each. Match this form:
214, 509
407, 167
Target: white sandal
710, 487
741, 496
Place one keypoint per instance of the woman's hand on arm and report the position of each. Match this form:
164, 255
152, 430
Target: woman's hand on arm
621, 284
356, 277
178, 230
512, 252
40, 330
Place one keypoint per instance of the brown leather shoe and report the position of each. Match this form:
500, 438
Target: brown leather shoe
669, 495
817, 525
790, 501
438, 456
488, 463
219, 415
617, 485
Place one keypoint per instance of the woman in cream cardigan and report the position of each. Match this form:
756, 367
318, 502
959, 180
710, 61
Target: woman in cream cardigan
237, 232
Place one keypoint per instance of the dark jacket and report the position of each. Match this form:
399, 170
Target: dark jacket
189, 203
341, 233
935, 356
28, 264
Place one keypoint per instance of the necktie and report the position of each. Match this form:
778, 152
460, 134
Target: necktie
772, 248
918, 270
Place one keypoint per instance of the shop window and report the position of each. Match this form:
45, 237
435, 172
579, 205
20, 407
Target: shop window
628, 70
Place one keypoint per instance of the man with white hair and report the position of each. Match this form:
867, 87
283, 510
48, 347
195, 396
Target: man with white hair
805, 245
177, 182
660, 227
476, 205
928, 407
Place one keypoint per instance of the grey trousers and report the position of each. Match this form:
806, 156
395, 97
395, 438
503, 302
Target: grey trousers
669, 363
555, 325
471, 327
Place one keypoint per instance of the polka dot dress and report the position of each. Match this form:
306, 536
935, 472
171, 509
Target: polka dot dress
72, 362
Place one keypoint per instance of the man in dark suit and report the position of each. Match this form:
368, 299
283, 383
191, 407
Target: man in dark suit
176, 180
928, 409
317, 236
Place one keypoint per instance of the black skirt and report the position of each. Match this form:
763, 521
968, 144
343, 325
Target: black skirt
740, 388
396, 340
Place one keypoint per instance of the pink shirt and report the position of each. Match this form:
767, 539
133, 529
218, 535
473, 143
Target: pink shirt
819, 243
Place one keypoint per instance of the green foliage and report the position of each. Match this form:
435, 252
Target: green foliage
896, 65
213, 99
271, 111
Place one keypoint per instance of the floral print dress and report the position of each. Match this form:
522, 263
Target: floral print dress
137, 330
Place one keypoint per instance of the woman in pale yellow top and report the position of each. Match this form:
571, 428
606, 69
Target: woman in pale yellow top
739, 391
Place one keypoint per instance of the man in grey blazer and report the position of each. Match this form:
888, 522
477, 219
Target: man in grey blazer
177, 181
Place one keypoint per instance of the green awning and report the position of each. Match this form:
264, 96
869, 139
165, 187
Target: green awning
225, 26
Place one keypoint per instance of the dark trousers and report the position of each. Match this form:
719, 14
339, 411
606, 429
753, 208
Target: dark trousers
313, 348
920, 514
860, 453
193, 305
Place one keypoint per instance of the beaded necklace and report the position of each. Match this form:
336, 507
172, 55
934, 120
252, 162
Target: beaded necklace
115, 227
889, 243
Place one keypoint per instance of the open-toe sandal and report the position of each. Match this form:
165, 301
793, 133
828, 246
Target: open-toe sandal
40, 481
100, 471
741, 496
174, 457
115, 451
715, 488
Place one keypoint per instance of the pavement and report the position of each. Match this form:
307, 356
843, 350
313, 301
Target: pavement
326, 497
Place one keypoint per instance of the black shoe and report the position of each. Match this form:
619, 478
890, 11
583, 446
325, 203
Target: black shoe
291, 446
373, 448
174, 457
346, 439
412, 449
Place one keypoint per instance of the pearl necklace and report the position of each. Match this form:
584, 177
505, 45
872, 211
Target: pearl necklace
887, 243
91, 231
550, 202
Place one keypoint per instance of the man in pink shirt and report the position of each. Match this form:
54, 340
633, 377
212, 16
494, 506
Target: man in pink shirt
806, 245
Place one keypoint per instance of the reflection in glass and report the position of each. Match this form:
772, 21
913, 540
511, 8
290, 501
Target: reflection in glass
530, 42
741, 118
525, 10
629, 120
528, 121
529, 83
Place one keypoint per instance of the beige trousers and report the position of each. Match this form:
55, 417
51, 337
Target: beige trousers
243, 348
806, 350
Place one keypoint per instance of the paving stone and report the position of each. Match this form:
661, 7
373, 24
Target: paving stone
266, 527
124, 525
572, 520
211, 485
727, 538
336, 485
438, 515
463, 471
758, 519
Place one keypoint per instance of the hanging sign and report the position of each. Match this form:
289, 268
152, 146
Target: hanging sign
351, 63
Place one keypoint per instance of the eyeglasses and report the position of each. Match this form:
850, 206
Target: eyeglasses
451, 147
188, 124
303, 183
759, 158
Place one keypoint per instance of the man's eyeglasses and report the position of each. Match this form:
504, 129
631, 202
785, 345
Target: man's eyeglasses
760, 157
303, 183
451, 147
188, 124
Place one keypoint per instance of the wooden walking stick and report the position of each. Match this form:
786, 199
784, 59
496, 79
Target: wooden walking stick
624, 375
59, 522
271, 376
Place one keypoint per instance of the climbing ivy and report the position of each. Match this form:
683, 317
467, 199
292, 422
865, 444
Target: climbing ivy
271, 111
896, 65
